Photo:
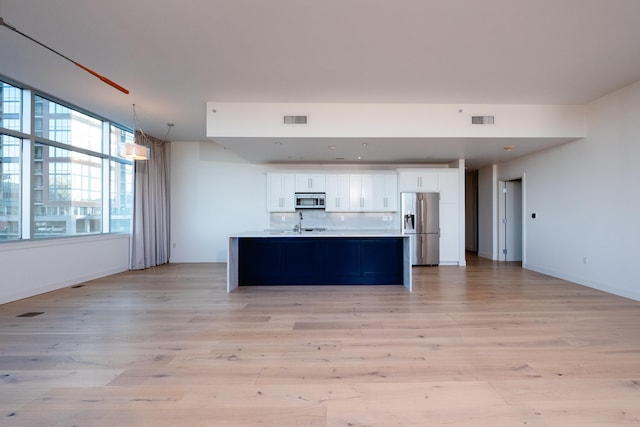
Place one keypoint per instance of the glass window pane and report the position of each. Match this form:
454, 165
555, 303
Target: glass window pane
10, 106
67, 193
65, 125
10, 149
121, 197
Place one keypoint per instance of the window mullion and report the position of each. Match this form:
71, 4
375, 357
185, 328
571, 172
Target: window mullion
26, 178
106, 187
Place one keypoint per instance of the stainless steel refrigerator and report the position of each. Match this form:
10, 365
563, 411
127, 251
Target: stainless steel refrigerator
421, 219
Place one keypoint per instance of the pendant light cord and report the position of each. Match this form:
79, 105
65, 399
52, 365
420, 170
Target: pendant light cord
111, 83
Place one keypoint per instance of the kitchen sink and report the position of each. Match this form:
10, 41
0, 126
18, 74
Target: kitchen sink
304, 230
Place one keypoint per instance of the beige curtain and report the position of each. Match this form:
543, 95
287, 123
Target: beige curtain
151, 223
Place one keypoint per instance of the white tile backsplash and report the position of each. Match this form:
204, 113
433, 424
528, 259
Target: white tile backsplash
313, 218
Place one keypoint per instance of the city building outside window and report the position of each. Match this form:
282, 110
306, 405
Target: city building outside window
70, 162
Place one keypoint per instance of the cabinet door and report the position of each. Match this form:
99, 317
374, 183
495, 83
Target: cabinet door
280, 193
355, 192
391, 193
449, 233
260, 261
337, 193
361, 192
366, 192
419, 181
385, 193
310, 183
448, 186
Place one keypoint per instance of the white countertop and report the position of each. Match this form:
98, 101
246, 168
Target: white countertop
325, 233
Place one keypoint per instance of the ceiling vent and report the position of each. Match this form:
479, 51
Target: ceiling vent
295, 120
482, 120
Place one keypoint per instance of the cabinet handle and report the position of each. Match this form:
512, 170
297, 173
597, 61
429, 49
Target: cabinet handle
362, 202
310, 183
419, 181
385, 203
337, 202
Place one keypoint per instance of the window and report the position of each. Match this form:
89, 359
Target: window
10, 106
62, 124
73, 201
121, 197
10, 171
70, 161
121, 175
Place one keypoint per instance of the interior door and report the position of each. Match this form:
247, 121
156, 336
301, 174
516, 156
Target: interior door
514, 220
510, 227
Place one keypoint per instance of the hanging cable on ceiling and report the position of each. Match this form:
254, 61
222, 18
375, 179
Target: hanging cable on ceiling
111, 83
169, 126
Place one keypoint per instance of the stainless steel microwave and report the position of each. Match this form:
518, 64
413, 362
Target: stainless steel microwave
310, 200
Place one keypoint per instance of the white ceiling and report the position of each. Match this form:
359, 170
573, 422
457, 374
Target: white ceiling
175, 56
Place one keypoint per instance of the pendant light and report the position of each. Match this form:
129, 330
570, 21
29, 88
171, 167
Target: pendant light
131, 150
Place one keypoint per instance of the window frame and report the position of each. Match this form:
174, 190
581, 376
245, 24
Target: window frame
29, 141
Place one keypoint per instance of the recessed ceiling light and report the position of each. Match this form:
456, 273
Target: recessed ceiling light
332, 147
359, 157
508, 147
364, 144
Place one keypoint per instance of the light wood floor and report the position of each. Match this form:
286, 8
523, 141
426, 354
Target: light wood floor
490, 344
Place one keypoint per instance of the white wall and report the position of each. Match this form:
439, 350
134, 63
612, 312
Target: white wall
214, 193
393, 120
34, 267
587, 200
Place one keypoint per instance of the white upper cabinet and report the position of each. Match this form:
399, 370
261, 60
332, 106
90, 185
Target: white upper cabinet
337, 193
419, 181
370, 192
361, 192
385, 193
310, 183
280, 193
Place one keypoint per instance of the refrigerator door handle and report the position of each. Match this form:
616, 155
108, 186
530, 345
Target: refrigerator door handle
420, 215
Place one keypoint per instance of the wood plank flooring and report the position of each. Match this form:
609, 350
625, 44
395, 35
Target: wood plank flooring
486, 345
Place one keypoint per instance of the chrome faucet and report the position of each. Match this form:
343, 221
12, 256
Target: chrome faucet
298, 227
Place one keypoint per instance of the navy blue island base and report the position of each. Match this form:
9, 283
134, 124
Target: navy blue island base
309, 259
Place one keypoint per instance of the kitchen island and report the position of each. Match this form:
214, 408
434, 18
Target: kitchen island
355, 257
